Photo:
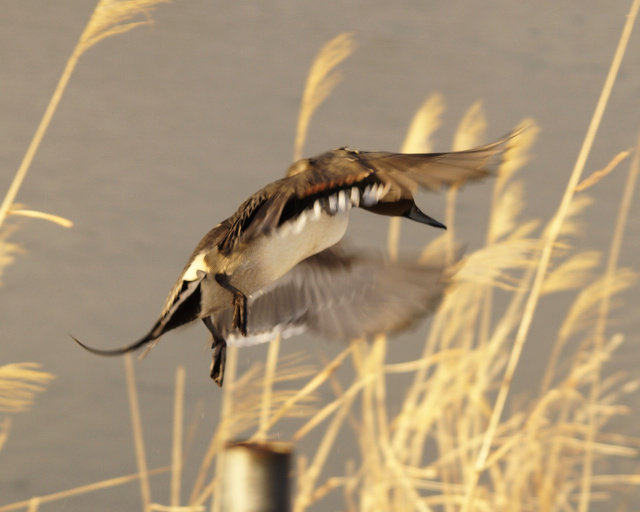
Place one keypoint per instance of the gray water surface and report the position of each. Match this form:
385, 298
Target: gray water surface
164, 130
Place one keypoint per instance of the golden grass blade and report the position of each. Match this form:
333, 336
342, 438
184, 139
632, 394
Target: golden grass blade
490, 265
367, 361
545, 258
329, 409
506, 206
505, 222
270, 371
469, 132
418, 364
612, 263
176, 452
380, 390
472, 128
84, 489
572, 273
416, 390
393, 238
618, 234
164, 508
573, 225
425, 122
8, 250
320, 82
136, 424
34, 504
309, 388
590, 181
56, 219
112, 17
5, 425
517, 155
248, 395
308, 480
37, 138
581, 313
222, 435
19, 383
200, 492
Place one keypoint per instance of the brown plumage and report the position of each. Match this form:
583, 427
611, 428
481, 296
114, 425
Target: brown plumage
271, 267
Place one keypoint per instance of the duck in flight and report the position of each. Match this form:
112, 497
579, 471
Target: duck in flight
275, 266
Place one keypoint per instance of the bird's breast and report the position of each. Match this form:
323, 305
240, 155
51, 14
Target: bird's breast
269, 257
254, 265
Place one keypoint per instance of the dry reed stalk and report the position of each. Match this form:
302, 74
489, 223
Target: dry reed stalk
164, 508
417, 140
447, 404
34, 505
176, 452
138, 438
320, 83
506, 205
270, 371
545, 258
612, 263
306, 481
595, 177
342, 396
583, 308
470, 131
309, 388
416, 390
8, 250
19, 383
127, 10
5, 426
380, 390
473, 124
424, 124
369, 365
83, 489
56, 219
422, 363
247, 406
222, 435
110, 17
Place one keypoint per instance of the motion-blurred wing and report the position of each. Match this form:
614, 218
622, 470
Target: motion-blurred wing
342, 296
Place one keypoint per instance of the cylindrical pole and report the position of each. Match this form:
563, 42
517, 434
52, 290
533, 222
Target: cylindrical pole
256, 477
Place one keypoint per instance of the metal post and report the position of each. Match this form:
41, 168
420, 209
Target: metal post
256, 477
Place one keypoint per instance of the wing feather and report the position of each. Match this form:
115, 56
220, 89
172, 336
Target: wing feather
341, 295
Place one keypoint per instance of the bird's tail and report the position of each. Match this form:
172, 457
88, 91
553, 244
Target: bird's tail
184, 309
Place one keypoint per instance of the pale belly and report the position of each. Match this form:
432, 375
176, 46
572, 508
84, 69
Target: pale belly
268, 258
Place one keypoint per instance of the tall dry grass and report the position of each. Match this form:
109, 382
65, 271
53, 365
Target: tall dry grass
456, 441
20, 382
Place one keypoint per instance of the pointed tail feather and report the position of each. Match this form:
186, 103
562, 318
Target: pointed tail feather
185, 309
118, 351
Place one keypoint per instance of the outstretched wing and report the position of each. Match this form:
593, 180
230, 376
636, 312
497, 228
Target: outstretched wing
380, 182
341, 295
402, 174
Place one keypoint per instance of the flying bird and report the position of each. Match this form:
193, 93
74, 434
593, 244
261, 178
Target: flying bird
276, 267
